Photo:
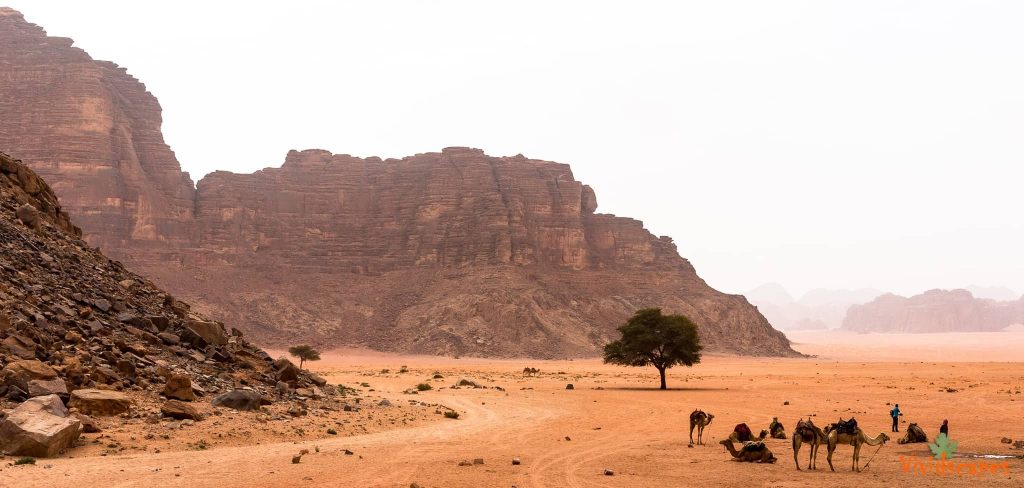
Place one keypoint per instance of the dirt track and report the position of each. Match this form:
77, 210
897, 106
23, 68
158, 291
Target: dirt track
627, 426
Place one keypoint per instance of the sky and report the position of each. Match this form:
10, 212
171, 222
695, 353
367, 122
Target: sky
815, 144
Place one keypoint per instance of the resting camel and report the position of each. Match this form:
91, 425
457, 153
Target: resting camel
699, 419
741, 433
914, 434
530, 371
807, 432
857, 439
751, 452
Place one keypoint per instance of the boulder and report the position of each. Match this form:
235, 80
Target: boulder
20, 373
32, 429
180, 410
89, 424
100, 403
240, 400
317, 380
20, 346
179, 387
286, 371
212, 333
28, 215
54, 386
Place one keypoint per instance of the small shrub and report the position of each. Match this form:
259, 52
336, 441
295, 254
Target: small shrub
404, 369
385, 371
424, 387
364, 384
451, 414
25, 460
438, 376
331, 432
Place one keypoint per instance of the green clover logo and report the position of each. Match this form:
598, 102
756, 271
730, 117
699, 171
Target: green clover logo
943, 447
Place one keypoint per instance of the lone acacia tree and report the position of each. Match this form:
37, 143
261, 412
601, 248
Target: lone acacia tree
652, 339
304, 353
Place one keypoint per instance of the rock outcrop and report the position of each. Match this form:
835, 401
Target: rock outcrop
93, 132
934, 311
455, 252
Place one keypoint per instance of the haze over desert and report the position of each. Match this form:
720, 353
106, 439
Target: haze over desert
445, 244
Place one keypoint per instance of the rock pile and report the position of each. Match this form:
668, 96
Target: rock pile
80, 329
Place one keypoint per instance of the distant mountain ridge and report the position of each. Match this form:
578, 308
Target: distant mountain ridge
817, 309
934, 311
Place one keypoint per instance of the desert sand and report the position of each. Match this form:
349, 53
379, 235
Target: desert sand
614, 418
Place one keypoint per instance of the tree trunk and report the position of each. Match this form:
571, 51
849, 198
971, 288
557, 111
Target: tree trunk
301, 361
663, 385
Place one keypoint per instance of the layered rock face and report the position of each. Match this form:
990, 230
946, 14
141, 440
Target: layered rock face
934, 311
453, 253
93, 132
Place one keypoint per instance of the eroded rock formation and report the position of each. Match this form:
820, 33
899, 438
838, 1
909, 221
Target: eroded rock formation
453, 252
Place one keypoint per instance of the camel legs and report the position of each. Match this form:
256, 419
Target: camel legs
700, 435
796, 450
831, 449
691, 433
856, 457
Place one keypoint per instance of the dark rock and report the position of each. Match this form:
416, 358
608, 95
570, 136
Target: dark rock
245, 400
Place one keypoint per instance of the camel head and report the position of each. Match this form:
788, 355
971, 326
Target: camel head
725, 442
884, 437
710, 418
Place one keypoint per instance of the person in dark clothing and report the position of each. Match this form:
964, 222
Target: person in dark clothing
945, 428
895, 413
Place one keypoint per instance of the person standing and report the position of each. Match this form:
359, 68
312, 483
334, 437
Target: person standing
895, 413
945, 428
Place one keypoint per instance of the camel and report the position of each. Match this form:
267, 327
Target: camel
776, 429
857, 439
699, 419
914, 434
751, 452
530, 371
741, 433
807, 432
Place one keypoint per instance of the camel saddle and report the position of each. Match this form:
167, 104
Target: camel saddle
754, 446
847, 426
743, 433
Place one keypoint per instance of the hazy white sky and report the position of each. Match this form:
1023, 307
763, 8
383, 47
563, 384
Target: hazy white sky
813, 143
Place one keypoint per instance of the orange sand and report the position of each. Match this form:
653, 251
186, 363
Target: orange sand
626, 425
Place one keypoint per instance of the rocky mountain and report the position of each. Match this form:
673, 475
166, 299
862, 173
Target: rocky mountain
77, 328
817, 309
934, 311
455, 252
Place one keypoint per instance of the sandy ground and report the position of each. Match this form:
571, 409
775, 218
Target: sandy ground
615, 418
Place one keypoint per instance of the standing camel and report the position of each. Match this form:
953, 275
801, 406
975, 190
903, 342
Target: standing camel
856, 439
807, 432
699, 419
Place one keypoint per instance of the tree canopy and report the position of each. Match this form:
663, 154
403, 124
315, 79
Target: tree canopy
304, 353
652, 339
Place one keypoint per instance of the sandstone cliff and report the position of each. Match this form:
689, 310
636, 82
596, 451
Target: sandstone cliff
934, 311
454, 252
93, 131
